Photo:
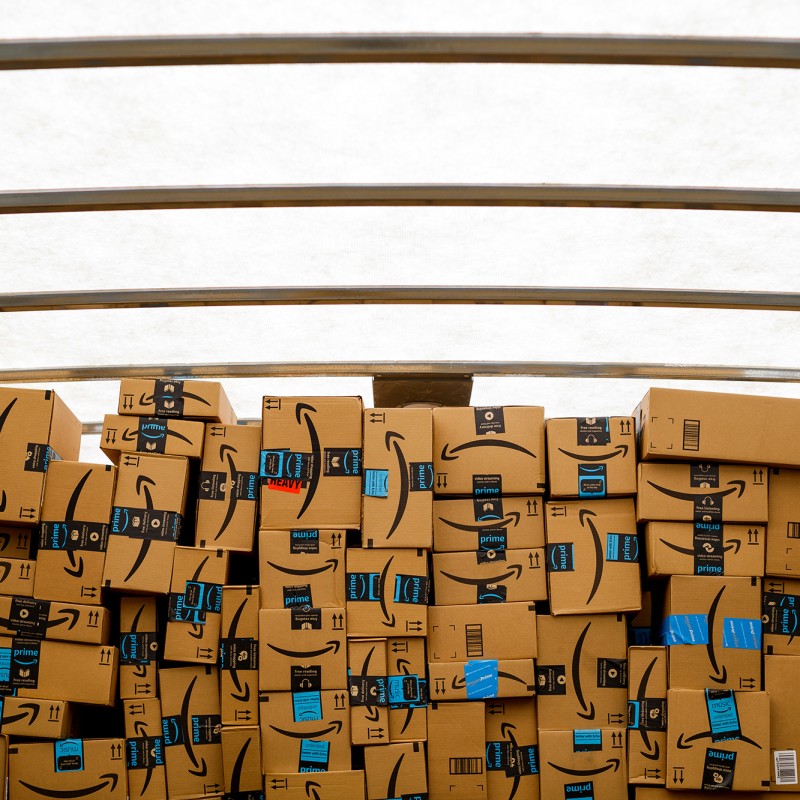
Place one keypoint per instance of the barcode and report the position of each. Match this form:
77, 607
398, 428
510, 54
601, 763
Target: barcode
474, 640
466, 766
785, 767
793, 530
691, 434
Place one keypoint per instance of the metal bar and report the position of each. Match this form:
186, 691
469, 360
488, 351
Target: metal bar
477, 369
188, 297
370, 48
317, 195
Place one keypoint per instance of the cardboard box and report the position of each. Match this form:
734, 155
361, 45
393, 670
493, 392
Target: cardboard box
192, 731
306, 733
505, 523
593, 556
783, 527
168, 397
456, 751
489, 452
241, 760
482, 679
146, 520
704, 548
582, 672
652, 793
780, 607
713, 629
302, 649
144, 749
368, 684
227, 500
81, 767
465, 633
396, 770
195, 605
17, 577
591, 457
311, 462
512, 749
238, 662
408, 690
494, 576
16, 543
347, 785
712, 426
718, 740
589, 764
151, 436
398, 478
67, 622
387, 592
702, 493
36, 719
139, 648
641, 631
647, 715
36, 428
780, 684
299, 564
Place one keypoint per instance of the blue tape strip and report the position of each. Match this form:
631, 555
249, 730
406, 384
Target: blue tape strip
376, 482
685, 629
741, 634
482, 679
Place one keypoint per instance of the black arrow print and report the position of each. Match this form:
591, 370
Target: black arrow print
620, 448
484, 443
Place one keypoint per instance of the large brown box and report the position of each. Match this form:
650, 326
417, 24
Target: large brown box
780, 614
505, 523
647, 715
146, 521
238, 661
311, 462
368, 684
783, 525
398, 478
711, 426
144, 749
718, 740
482, 679
168, 397
408, 689
36, 719
36, 428
591, 457
227, 501
489, 452
151, 436
241, 760
139, 648
343, 785
66, 622
456, 751
582, 672
780, 683
396, 770
713, 629
512, 749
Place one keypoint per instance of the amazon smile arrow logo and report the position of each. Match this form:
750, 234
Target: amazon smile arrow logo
393, 438
331, 563
512, 520
588, 711
492, 441
619, 449
585, 517
316, 452
225, 451
334, 727
710, 496
514, 571
108, 780
333, 647
611, 764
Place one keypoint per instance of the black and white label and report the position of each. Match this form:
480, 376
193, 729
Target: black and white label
488, 508
551, 679
704, 476
213, 486
785, 767
489, 419
718, 769
238, 654
420, 476
691, 434
306, 679
709, 549
140, 647
207, 729
29, 617
297, 596
368, 690
648, 713
411, 590
560, 557
306, 619
593, 431
145, 523
486, 487
492, 540
341, 462
168, 398
151, 437
145, 753
38, 457
612, 673
491, 593
707, 508
73, 535
304, 541
24, 667
780, 613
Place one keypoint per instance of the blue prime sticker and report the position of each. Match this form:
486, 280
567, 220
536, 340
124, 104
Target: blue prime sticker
622, 547
685, 629
376, 482
307, 706
741, 634
5, 664
584, 741
314, 756
68, 755
592, 480
481, 679
723, 715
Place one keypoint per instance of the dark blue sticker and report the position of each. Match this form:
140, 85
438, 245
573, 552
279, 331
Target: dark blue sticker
561, 557
583, 791
411, 590
341, 461
144, 753
68, 755
723, 715
206, 729
285, 464
405, 691
592, 480
307, 706
585, 741
376, 482
718, 770
314, 756
420, 476
640, 636
304, 541
622, 547
481, 679
364, 587
780, 613
203, 596
685, 629
138, 648
527, 760
741, 634
172, 730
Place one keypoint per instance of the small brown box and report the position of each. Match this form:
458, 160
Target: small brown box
177, 399
456, 751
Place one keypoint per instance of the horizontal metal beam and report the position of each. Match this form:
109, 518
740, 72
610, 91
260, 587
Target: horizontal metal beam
370, 48
353, 369
189, 297
323, 195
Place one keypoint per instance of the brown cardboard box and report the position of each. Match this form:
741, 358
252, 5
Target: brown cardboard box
780, 603
347, 785
396, 770
482, 679
80, 767
408, 690
647, 715
398, 478
36, 719
238, 663
582, 672
702, 493
17, 577
783, 528
464, 633
593, 556
24, 616
139, 648
241, 760
144, 749
591, 457
168, 397
589, 764
146, 519
494, 576
311, 462
718, 740
489, 452
227, 502
387, 592
780, 683
512, 749
456, 751
16, 543
713, 629
704, 548
368, 684
640, 624
195, 605
151, 436
192, 731
36, 428
506, 523
298, 564
710, 426
652, 793
316, 742
76, 512
302, 649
